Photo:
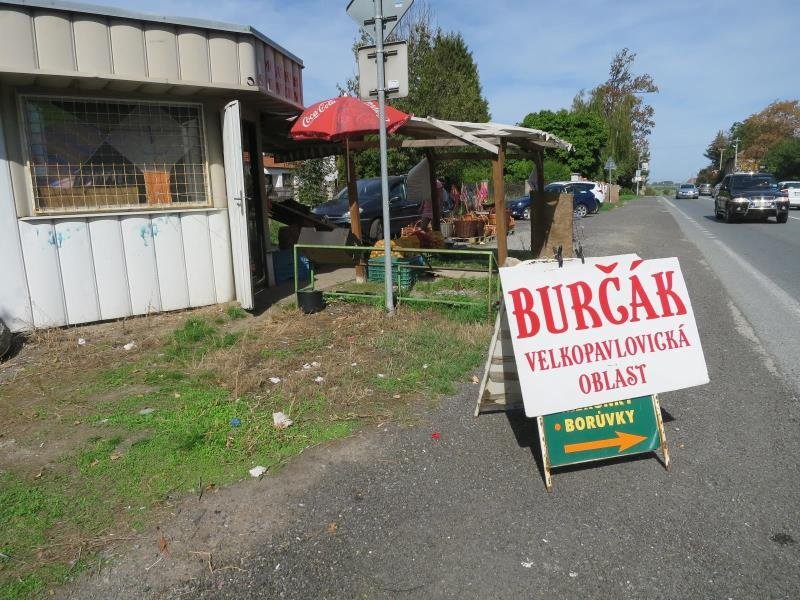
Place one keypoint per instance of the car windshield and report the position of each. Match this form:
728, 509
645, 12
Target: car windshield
553, 187
791, 184
753, 182
687, 186
369, 190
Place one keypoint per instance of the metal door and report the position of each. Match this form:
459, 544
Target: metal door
237, 202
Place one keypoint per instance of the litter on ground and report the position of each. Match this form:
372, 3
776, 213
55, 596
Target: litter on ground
258, 471
281, 420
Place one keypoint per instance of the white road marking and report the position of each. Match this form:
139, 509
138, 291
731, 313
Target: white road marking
780, 295
795, 218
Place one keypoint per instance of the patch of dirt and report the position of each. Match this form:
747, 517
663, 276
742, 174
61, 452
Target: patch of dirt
215, 532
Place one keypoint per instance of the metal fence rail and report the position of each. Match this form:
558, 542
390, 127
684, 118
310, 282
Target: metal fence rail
401, 295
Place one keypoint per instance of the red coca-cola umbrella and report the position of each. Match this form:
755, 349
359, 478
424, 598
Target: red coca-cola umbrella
344, 117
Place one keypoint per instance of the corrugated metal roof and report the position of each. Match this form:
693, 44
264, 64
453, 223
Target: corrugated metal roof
108, 11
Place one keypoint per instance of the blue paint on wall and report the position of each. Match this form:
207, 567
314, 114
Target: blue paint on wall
148, 232
57, 238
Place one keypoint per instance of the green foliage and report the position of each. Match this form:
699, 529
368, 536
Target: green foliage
585, 130
783, 160
555, 170
312, 183
628, 119
235, 312
196, 339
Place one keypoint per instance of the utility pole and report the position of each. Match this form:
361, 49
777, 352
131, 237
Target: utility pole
736, 155
721, 152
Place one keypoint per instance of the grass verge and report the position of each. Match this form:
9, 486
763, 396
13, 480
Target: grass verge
194, 411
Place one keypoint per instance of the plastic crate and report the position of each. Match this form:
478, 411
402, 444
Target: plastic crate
402, 275
283, 265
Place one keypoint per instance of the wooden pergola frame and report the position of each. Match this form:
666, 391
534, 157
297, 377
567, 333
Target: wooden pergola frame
440, 139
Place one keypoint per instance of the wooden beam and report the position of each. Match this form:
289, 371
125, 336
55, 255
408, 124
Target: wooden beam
355, 213
475, 141
436, 203
463, 156
415, 143
500, 204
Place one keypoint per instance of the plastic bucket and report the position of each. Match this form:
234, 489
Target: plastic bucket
310, 301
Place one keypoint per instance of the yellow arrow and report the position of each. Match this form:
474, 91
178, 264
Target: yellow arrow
623, 440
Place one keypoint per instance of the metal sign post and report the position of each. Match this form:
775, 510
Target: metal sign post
610, 165
387, 223
380, 26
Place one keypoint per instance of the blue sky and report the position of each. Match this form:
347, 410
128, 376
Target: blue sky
715, 61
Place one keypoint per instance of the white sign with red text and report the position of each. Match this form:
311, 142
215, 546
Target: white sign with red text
620, 328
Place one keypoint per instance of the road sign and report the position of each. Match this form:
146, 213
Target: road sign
603, 431
363, 13
645, 166
638, 173
599, 333
610, 164
395, 71
610, 430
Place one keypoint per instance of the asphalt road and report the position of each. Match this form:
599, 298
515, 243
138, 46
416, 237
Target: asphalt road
759, 264
467, 516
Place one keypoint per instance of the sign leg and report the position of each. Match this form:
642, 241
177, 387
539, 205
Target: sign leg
662, 435
548, 480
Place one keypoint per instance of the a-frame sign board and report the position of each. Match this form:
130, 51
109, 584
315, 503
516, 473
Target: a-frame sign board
601, 432
594, 433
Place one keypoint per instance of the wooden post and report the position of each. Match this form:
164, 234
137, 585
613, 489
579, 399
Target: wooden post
500, 204
355, 215
539, 187
436, 221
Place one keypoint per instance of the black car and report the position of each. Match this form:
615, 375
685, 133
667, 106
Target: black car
402, 209
750, 196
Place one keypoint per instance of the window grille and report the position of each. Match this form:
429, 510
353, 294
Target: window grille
89, 155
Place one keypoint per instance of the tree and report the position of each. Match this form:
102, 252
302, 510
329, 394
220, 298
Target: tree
783, 160
764, 130
629, 120
313, 179
716, 149
583, 129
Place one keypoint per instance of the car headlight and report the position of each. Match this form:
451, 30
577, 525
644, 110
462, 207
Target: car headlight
740, 199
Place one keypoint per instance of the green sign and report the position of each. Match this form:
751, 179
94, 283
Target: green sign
602, 431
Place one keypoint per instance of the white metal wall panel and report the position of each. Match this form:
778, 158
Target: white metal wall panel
168, 241
110, 268
193, 51
92, 46
219, 235
247, 61
77, 271
40, 249
140, 258
54, 41
127, 49
162, 52
224, 60
199, 261
15, 303
16, 39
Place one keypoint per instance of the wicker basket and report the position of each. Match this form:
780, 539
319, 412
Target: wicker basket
465, 228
